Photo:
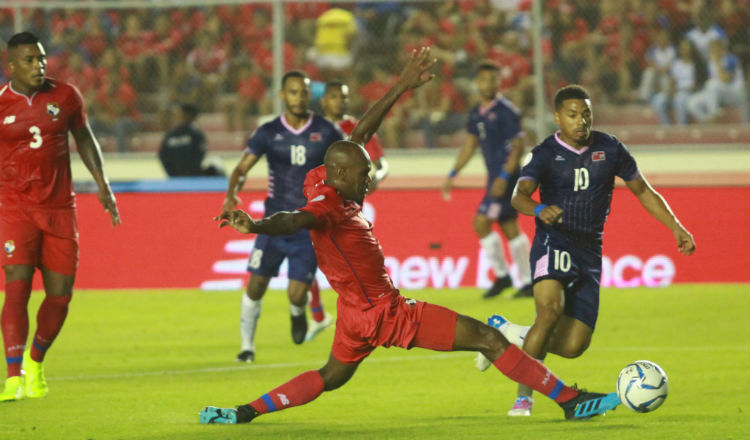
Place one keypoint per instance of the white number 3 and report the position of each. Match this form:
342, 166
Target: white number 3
37, 133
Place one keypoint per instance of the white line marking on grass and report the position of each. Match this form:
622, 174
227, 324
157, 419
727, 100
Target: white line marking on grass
383, 360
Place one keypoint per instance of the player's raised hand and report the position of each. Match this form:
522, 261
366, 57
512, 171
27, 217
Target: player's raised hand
551, 215
685, 241
415, 73
446, 189
107, 199
237, 219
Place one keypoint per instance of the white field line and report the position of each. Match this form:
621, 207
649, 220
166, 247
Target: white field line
320, 362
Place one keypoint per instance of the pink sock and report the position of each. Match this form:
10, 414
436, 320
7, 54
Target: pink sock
15, 323
298, 391
49, 321
316, 307
528, 371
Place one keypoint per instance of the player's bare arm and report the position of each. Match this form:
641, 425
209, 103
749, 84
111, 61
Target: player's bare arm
500, 184
236, 180
413, 76
91, 155
464, 155
660, 210
523, 203
281, 223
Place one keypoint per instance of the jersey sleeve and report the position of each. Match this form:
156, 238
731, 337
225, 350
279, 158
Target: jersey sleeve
258, 143
627, 169
515, 129
533, 165
78, 115
324, 208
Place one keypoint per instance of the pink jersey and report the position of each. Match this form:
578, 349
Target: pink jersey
348, 253
374, 149
34, 152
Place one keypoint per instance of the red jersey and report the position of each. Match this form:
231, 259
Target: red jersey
374, 148
34, 151
348, 253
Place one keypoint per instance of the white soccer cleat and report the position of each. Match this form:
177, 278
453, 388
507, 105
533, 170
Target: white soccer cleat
314, 327
481, 362
521, 407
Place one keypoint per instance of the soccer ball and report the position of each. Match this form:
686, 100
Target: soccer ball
642, 386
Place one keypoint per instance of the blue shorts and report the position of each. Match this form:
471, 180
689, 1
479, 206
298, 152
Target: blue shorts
578, 268
270, 251
498, 209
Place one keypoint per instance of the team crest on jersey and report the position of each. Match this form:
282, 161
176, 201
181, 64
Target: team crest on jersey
53, 109
10, 246
316, 137
597, 156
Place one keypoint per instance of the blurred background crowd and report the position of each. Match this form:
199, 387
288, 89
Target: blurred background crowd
652, 63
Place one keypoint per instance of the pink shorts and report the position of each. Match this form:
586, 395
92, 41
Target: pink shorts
42, 238
402, 322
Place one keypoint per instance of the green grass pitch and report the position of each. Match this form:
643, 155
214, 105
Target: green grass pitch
140, 365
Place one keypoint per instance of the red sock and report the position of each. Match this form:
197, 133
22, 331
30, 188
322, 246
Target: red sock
49, 321
316, 307
15, 323
298, 391
528, 371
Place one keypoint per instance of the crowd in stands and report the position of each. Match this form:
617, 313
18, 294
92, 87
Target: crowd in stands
687, 59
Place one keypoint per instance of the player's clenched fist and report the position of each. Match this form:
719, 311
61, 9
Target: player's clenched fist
551, 214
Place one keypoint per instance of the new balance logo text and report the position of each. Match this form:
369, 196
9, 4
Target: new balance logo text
9, 119
278, 137
559, 158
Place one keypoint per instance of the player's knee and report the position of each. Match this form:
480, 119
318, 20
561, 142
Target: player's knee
548, 315
334, 378
574, 348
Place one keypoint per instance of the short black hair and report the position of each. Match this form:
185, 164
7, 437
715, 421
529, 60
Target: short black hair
22, 38
189, 109
293, 74
570, 92
488, 64
335, 84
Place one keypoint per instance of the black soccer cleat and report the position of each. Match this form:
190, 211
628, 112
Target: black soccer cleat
299, 328
526, 291
247, 356
586, 405
498, 286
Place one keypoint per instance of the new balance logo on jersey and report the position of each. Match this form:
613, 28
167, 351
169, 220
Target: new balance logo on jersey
278, 137
9, 119
559, 158
597, 156
283, 399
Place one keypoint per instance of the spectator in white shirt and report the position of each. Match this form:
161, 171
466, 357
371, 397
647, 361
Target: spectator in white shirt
725, 86
682, 85
705, 31
659, 58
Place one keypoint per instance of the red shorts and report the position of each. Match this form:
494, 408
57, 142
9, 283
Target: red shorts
402, 322
42, 238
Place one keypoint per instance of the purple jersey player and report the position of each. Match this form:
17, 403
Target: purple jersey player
293, 143
495, 127
574, 170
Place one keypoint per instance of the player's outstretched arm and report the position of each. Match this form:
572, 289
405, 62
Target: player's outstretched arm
523, 203
281, 223
236, 180
500, 184
464, 155
91, 155
660, 210
413, 76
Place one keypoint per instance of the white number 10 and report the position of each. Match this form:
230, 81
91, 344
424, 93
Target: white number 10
581, 179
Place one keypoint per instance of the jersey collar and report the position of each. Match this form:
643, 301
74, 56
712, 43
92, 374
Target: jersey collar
297, 132
568, 147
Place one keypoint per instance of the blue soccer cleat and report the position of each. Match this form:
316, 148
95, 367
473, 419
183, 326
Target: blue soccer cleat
586, 405
496, 321
227, 416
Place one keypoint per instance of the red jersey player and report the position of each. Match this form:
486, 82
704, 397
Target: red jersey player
335, 103
37, 206
371, 312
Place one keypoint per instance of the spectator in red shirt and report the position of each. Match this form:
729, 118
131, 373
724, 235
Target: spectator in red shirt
210, 60
114, 111
251, 98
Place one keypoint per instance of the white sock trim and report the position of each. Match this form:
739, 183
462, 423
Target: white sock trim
249, 314
519, 249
